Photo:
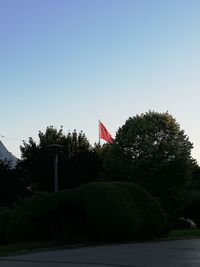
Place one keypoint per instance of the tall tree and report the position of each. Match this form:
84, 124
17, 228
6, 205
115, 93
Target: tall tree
76, 160
151, 150
11, 185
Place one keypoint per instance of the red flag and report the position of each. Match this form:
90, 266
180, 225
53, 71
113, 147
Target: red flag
104, 134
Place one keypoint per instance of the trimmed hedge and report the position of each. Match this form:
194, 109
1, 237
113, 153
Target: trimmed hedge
46, 216
121, 211
25, 225
97, 211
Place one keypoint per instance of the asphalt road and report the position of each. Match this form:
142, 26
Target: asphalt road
156, 254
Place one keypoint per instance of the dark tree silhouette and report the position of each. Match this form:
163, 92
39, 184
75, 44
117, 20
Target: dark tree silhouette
151, 150
11, 185
77, 162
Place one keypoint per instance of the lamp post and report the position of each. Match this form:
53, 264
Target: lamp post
55, 149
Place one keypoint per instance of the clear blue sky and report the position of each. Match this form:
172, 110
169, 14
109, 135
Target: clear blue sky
72, 62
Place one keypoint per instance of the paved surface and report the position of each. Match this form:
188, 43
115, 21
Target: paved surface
156, 254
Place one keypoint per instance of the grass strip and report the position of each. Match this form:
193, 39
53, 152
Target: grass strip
184, 233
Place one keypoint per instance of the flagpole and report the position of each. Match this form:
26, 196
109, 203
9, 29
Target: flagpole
99, 131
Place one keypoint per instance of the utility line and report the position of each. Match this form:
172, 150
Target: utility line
12, 138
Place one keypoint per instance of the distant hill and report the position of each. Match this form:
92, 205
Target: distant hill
7, 156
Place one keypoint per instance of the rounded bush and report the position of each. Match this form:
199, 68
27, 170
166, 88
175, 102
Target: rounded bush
121, 211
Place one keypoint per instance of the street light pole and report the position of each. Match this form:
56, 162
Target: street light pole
55, 148
56, 172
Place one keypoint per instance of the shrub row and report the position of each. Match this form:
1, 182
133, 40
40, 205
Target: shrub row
104, 211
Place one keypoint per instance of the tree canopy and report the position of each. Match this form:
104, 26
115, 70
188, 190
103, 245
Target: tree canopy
151, 150
11, 186
77, 163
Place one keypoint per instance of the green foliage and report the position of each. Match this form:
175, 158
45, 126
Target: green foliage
184, 233
24, 225
46, 216
100, 153
98, 211
109, 213
77, 161
151, 150
11, 185
5, 217
69, 222
121, 211
195, 177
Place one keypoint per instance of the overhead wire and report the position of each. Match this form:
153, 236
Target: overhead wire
11, 138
